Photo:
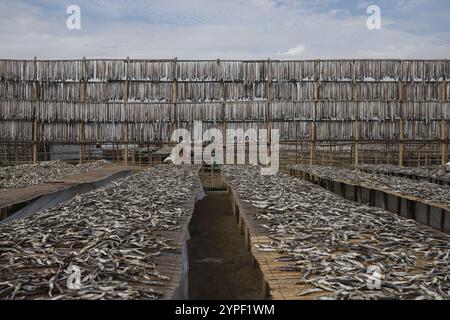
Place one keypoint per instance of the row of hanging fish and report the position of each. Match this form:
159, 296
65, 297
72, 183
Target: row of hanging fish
212, 91
141, 131
20, 176
102, 70
16, 130
346, 130
343, 250
60, 111
105, 244
427, 192
117, 133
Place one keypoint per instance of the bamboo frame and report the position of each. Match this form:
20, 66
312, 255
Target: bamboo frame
275, 83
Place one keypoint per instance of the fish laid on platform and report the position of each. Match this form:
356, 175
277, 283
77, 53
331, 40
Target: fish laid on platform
338, 244
100, 245
436, 172
427, 192
13, 177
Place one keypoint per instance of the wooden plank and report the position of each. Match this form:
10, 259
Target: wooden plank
19, 195
404, 203
277, 283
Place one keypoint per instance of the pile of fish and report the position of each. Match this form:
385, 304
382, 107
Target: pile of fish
438, 172
101, 245
13, 177
338, 244
427, 192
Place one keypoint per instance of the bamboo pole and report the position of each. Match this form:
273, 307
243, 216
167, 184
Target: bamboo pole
34, 131
174, 97
82, 99
312, 146
357, 133
81, 133
443, 134
125, 97
443, 127
35, 124
357, 126
312, 132
401, 146
223, 116
269, 102
126, 143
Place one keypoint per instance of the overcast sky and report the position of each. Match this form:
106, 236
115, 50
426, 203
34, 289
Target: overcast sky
227, 29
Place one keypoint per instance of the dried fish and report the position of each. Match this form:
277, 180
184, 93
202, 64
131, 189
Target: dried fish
425, 191
70, 92
13, 177
333, 241
112, 235
437, 172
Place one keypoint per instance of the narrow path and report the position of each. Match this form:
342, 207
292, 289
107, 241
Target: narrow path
219, 264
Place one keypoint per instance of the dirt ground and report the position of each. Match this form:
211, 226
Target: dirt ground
220, 266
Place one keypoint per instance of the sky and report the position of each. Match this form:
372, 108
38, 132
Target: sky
225, 29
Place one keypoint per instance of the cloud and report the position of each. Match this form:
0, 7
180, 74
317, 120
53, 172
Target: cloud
233, 29
297, 51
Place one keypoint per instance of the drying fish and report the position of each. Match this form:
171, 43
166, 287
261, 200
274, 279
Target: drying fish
419, 173
425, 191
349, 89
30, 174
309, 291
101, 245
335, 243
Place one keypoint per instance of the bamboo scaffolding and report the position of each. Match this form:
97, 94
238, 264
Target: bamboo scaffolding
388, 102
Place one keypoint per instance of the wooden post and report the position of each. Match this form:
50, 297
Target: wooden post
81, 134
444, 147
312, 143
126, 89
357, 134
83, 81
269, 102
34, 132
317, 80
419, 155
82, 99
223, 116
444, 90
125, 98
35, 124
443, 127
90, 149
125, 125
174, 96
401, 146
312, 129
357, 126
376, 157
331, 155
